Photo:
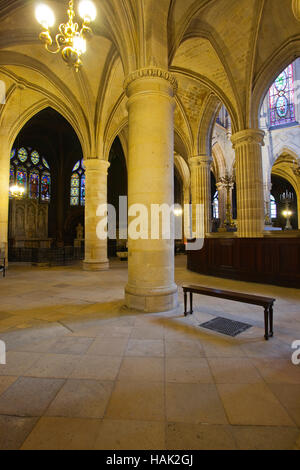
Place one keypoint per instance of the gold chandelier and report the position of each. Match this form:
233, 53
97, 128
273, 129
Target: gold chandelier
70, 41
17, 191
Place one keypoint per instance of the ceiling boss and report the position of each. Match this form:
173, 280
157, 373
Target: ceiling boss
70, 41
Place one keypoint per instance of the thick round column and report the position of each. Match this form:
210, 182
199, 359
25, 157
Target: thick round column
95, 194
201, 189
4, 194
151, 286
249, 182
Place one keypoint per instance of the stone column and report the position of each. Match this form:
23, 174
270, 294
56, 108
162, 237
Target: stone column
201, 189
95, 194
249, 182
151, 286
222, 202
4, 194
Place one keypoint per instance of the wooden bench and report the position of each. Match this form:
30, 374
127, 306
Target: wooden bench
265, 302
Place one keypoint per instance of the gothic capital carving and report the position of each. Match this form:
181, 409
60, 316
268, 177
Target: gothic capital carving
248, 136
151, 72
96, 164
200, 160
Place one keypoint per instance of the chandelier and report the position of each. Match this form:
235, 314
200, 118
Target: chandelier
70, 41
17, 191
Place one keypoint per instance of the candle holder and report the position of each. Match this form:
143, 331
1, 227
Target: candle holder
227, 182
287, 198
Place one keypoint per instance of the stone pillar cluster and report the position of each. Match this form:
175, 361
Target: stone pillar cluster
249, 182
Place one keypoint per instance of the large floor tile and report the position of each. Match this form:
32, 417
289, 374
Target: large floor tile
194, 403
17, 363
108, 346
29, 396
14, 430
253, 404
234, 370
182, 436
6, 382
289, 397
265, 438
140, 347
81, 399
183, 349
139, 401
72, 346
131, 435
97, 368
278, 371
58, 366
188, 370
142, 369
63, 434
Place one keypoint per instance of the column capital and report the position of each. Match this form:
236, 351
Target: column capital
150, 73
248, 136
96, 164
200, 160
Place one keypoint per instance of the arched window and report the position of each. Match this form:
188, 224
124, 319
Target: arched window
28, 169
281, 96
273, 207
216, 206
77, 195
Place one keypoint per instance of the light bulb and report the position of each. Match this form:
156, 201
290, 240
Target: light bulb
79, 44
87, 10
45, 16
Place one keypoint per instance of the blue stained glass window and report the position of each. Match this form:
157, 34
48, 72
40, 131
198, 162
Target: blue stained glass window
273, 208
35, 158
22, 154
281, 97
77, 192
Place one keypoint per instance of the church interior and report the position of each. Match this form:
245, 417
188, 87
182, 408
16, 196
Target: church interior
192, 105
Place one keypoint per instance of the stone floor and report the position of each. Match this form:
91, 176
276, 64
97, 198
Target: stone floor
85, 373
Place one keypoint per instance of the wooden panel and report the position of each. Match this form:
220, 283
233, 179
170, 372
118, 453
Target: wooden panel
269, 261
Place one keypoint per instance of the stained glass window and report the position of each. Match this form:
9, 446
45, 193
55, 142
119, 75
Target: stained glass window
216, 206
281, 95
22, 154
273, 208
77, 194
45, 186
34, 182
35, 158
32, 173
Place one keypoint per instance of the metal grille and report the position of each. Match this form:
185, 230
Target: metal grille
225, 326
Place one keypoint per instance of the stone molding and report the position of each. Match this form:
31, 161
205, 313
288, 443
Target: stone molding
95, 164
151, 72
248, 136
200, 160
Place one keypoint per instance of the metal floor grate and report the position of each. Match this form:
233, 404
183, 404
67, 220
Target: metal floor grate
225, 326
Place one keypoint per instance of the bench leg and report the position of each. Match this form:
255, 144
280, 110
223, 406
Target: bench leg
266, 324
191, 303
271, 322
185, 304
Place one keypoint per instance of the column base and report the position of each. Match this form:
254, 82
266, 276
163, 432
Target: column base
151, 300
95, 265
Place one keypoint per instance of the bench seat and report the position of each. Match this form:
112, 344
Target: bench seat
266, 302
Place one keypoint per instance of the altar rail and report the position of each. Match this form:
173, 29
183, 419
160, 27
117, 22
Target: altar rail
263, 260
49, 256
